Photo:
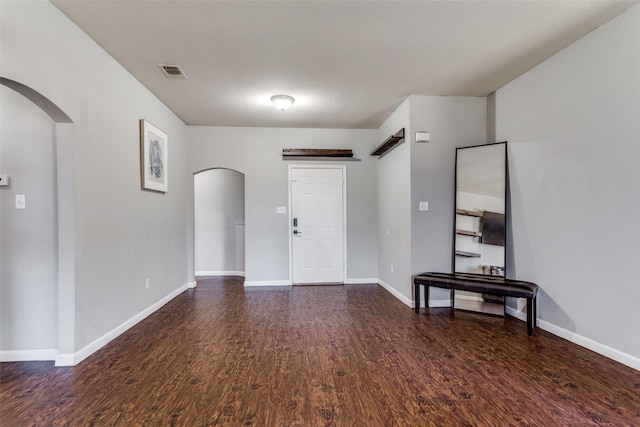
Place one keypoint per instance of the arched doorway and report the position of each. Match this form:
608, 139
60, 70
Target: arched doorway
37, 242
219, 222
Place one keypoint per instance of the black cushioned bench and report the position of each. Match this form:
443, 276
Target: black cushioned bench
492, 285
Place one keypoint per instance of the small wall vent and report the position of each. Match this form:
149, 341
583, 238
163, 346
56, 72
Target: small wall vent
173, 71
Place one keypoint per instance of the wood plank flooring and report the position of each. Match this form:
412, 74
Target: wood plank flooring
353, 355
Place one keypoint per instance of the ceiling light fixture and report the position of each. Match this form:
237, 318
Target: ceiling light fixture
282, 102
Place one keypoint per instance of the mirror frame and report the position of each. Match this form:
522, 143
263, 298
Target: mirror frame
455, 210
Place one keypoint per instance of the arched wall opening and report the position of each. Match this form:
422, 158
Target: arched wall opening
38, 263
219, 212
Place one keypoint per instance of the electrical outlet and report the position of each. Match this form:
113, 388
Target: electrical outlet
147, 283
392, 268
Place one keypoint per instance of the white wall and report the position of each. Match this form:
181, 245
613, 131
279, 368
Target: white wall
452, 122
410, 240
257, 153
219, 218
573, 128
573, 125
394, 206
122, 235
28, 240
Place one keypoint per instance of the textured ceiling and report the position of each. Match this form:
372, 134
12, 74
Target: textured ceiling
348, 64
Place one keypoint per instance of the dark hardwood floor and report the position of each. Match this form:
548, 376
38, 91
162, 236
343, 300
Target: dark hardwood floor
322, 356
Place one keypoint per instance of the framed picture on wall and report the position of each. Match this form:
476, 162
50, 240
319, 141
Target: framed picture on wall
154, 157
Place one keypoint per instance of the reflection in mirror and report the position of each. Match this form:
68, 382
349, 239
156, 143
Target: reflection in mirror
480, 220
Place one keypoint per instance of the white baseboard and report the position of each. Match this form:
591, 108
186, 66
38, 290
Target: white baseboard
605, 350
220, 273
250, 283
508, 310
396, 294
518, 314
65, 359
361, 281
40, 355
440, 303
469, 297
72, 359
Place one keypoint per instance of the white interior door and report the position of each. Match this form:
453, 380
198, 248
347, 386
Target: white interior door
317, 214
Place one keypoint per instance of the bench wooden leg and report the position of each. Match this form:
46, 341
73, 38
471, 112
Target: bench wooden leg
530, 316
416, 296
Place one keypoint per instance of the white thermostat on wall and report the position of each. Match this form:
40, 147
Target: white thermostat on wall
422, 136
4, 180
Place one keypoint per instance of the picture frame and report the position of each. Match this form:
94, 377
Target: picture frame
154, 158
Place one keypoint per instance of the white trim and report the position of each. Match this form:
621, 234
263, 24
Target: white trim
360, 281
39, 355
440, 303
395, 293
434, 303
65, 359
220, 273
518, 314
602, 349
508, 310
605, 350
251, 283
343, 167
72, 359
344, 222
469, 297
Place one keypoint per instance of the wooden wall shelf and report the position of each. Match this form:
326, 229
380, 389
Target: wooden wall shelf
469, 213
389, 144
468, 233
318, 154
468, 254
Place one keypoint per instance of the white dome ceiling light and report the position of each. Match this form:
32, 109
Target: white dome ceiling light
282, 102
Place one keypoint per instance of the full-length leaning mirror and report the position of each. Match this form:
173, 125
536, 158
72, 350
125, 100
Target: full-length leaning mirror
480, 221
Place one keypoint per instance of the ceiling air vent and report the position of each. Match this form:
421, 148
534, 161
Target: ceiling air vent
173, 71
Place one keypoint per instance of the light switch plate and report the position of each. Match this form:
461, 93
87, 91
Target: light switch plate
4, 180
20, 201
423, 206
281, 209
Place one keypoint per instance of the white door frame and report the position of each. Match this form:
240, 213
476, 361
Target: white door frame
344, 215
